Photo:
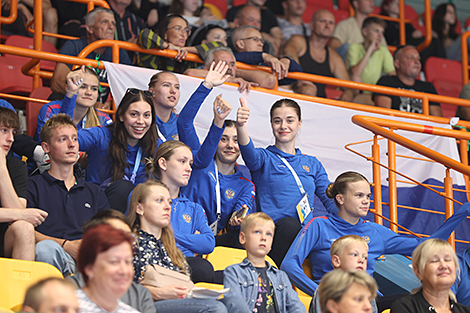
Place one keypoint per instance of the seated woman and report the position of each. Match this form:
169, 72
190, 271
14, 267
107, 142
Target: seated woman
351, 192
436, 266
116, 153
286, 180
173, 33
444, 22
83, 86
150, 214
347, 292
414, 36
105, 261
172, 165
207, 34
220, 187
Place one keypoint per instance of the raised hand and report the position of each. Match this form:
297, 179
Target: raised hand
221, 110
243, 113
74, 81
216, 75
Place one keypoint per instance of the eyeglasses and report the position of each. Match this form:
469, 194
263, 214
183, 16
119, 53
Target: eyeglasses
181, 29
135, 91
256, 39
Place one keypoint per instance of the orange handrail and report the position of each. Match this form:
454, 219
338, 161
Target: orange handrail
464, 49
377, 126
402, 21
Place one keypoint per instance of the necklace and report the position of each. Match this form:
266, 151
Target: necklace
175, 205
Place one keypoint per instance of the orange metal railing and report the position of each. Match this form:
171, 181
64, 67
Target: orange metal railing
464, 49
403, 21
385, 128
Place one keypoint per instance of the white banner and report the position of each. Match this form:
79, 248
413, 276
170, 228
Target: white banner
325, 129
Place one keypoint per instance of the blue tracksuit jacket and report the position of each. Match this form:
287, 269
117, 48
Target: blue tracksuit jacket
168, 129
461, 287
277, 191
316, 237
67, 106
235, 189
188, 217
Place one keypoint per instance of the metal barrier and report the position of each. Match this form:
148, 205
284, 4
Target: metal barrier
385, 128
464, 49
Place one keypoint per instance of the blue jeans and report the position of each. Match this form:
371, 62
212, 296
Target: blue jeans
51, 252
190, 306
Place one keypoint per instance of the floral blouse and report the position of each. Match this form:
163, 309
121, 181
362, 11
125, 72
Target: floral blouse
149, 250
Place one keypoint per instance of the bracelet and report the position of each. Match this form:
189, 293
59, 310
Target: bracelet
63, 243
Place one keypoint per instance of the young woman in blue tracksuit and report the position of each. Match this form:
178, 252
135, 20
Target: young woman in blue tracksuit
351, 192
173, 164
79, 102
234, 189
285, 179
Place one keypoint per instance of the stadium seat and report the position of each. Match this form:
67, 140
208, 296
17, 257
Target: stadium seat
467, 22
343, 5
13, 81
210, 286
445, 75
220, 4
28, 43
236, 3
5, 310
222, 257
410, 13
17, 276
321, 4
32, 108
437, 69
305, 301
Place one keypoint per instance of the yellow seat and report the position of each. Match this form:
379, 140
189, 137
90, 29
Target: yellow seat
386, 311
5, 310
210, 286
17, 276
222, 257
305, 301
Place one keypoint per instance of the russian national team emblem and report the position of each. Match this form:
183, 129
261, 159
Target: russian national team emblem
229, 194
306, 168
366, 238
187, 218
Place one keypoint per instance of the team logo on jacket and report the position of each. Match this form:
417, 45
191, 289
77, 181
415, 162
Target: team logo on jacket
87, 205
306, 168
366, 238
229, 194
187, 218
175, 137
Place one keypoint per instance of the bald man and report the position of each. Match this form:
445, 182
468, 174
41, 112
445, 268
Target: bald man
314, 55
254, 13
51, 295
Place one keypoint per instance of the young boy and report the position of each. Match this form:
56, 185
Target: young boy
69, 201
254, 284
366, 61
347, 253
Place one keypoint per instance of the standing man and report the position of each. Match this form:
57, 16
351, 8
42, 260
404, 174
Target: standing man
408, 66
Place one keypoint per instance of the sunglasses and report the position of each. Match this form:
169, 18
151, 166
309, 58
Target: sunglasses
135, 91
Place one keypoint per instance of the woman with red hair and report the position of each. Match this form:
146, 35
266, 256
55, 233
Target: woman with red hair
105, 261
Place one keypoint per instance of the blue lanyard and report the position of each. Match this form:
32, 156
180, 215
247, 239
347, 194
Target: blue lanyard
138, 157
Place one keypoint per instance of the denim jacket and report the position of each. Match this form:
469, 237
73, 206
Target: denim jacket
242, 279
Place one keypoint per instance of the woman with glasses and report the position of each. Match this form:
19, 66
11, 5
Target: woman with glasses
81, 95
173, 33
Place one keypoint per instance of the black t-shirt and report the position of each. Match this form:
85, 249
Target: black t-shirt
19, 177
265, 302
268, 18
403, 103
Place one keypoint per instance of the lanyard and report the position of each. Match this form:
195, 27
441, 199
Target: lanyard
160, 134
138, 157
84, 121
296, 177
213, 226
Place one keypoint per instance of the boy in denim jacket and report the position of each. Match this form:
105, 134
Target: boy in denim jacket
258, 286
